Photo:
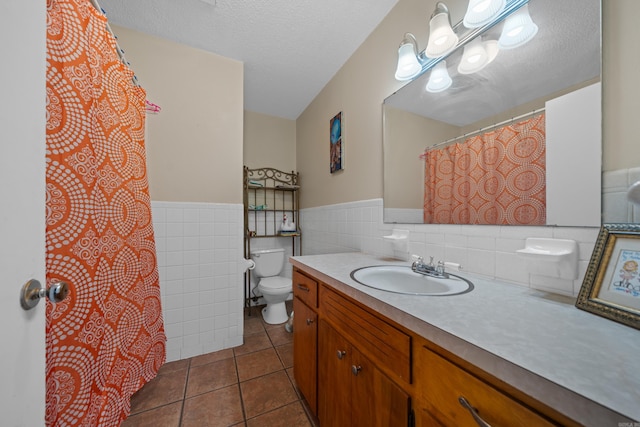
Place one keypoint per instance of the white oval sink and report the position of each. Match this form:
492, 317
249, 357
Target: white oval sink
402, 280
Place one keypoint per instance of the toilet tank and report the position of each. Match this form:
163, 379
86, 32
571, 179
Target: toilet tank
269, 262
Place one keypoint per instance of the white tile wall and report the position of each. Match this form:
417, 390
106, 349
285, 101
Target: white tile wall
199, 246
485, 250
615, 184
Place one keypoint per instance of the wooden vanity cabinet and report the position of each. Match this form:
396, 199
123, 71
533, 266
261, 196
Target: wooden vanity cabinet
352, 390
447, 395
360, 359
357, 368
305, 337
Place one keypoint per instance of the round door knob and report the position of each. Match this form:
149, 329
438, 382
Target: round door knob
355, 369
341, 354
32, 292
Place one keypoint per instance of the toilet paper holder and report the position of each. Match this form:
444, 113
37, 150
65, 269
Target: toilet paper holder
248, 264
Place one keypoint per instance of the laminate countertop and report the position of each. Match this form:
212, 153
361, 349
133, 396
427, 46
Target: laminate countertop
585, 366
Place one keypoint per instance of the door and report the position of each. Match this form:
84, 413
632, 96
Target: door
305, 334
22, 209
370, 388
334, 377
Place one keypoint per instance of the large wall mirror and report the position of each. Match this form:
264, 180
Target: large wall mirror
557, 72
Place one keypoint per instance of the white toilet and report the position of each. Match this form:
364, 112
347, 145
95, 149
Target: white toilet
275, 289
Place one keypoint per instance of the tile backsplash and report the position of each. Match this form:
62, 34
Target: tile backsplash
199, 246
486, 250
615, 206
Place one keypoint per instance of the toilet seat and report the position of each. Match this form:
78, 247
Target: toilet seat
275, 283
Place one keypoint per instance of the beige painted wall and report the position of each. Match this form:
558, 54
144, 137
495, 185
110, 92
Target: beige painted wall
269, 142
359, 88
621, 90
194, 146
412, 133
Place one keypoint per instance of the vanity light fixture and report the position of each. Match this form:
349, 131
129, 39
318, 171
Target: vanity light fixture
518, 29
482, 12
441, 36
439, 80
445, 39
408, 64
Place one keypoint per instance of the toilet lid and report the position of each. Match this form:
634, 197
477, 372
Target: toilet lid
275, 282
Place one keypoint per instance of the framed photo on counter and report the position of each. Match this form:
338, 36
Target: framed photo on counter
611, 286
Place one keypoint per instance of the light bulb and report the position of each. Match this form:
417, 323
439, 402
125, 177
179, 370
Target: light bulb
439, 80
441, 36
482, 12
518, 29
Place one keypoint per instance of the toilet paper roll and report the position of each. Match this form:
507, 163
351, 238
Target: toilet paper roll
248, 264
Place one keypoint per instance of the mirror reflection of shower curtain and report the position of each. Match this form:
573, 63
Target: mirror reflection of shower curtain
107, 338
494, 178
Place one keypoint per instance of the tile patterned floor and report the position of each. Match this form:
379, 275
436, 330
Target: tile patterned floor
251, 385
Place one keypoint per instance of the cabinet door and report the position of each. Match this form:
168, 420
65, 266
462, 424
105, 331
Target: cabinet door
376, 400
305, 334
334, 377
453, 396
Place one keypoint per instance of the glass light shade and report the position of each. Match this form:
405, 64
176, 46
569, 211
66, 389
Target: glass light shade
474, 58
482, 12
439, 80
518, 29
408, 65
441, 36
492, 49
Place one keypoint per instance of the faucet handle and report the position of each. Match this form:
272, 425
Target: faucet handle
431, 264
416, 258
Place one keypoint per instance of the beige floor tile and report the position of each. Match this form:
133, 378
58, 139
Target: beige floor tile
253, 325
164, 416
267, 393
211, 376
161, 390
217, 408
292, 415
259, 363
279, 336
212, 357
285, 352
255, 342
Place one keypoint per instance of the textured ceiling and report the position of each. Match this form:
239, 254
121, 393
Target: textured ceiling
290, 48
564, 53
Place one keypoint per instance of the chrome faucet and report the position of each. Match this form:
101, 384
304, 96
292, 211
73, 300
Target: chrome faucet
418, 266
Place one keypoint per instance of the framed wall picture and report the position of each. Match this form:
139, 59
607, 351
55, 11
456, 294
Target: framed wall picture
611, 286
336, 143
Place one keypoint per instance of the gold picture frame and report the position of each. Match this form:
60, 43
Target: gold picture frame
611, 286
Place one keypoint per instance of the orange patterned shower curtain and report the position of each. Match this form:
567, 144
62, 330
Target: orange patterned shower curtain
107, 338
494, 178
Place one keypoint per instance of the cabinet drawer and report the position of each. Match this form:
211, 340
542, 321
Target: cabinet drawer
389, 347
440, 385
305, 288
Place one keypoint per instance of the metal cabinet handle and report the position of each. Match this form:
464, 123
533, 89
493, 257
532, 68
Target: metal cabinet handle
341, 354
309, 321
355, 369
32, 292
474, 413
303, 288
